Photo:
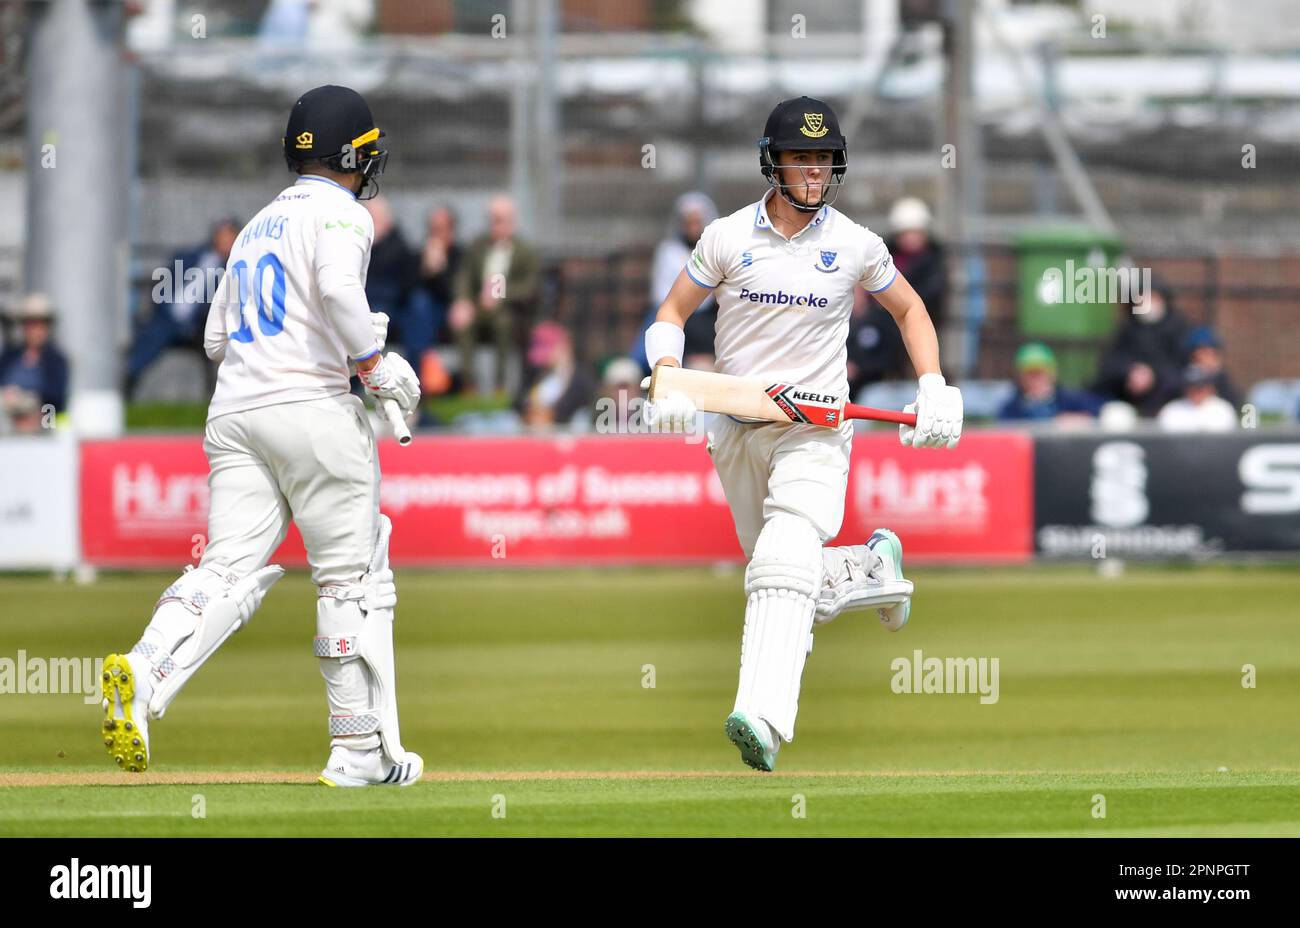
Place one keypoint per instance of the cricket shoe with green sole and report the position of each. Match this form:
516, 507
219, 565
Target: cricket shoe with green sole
126, 714
870, 576
886, 544
756, 740
351, 768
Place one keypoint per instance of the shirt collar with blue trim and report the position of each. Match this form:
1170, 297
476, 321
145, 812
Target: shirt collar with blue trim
761, 220
317, 179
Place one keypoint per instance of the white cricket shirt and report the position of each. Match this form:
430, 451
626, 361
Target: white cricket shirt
282, 344
784, 305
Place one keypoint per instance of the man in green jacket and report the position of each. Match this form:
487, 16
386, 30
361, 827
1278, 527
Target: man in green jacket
495, 291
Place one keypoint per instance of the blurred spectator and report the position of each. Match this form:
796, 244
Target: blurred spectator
35, 373
333, 25
875, 344
620, 396
391, 284
1200, 409
180, 322
21, 411
495, 289
1143, 364
439, 262
691, 213
1038, 395
917, 255
557, 388
1204, 349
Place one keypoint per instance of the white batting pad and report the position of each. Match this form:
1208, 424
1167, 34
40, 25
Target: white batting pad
781, 585
194, 617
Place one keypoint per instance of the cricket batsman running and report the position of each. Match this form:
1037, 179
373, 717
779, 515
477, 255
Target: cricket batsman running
783, 271
285, 439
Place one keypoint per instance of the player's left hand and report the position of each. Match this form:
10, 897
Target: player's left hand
939, 414
392, 378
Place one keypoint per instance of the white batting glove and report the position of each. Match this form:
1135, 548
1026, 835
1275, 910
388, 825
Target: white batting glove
380, 590
672, 413
938, 409
379, 324
393, 379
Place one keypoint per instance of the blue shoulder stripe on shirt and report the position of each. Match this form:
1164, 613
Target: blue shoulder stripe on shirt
687, 269
887, 285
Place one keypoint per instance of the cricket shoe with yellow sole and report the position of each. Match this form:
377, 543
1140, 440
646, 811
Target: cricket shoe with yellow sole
869, 576
349, 768
126, 713
757, 742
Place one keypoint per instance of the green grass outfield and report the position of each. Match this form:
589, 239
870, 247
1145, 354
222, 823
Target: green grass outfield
525, 692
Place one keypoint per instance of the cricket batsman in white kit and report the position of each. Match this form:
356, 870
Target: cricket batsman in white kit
285, 439
783, 271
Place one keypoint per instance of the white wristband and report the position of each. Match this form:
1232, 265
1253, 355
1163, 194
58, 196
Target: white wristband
664, 340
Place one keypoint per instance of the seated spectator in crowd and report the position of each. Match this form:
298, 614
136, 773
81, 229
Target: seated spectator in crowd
875, 344
34, 373
691, 213
391, 284
917, 255
1200, 409
1038, 396
439, 262
20, 412
1143, 364
556, 388
180, 322
1204, 349
496, 287
620, 402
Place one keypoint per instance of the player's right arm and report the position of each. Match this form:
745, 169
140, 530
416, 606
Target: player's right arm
667, 342
705, 269
665, 339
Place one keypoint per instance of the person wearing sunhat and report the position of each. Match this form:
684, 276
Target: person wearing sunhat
917, 254
35, 367
1038, 395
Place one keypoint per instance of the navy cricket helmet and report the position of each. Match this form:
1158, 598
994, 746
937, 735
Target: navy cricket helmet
332, 126
803, 124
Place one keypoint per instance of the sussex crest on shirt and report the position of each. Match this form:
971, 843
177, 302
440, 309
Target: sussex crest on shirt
828, 264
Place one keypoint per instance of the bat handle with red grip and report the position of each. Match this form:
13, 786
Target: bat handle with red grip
854, 411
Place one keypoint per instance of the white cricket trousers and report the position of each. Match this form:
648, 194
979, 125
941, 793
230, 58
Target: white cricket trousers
313, 462
766, 468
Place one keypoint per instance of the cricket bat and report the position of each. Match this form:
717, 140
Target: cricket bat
393, 413
760, 398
